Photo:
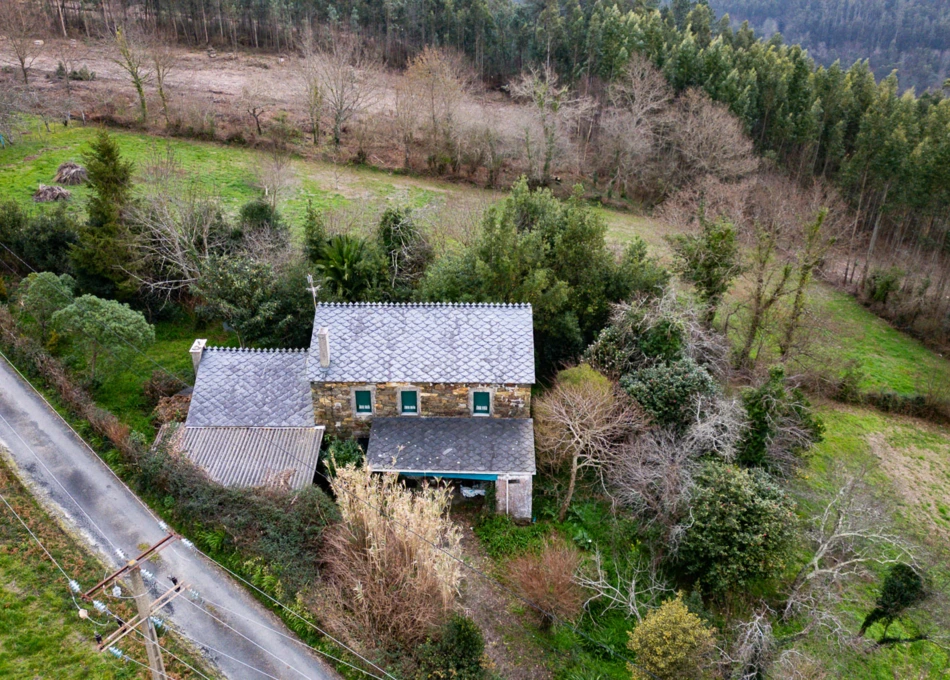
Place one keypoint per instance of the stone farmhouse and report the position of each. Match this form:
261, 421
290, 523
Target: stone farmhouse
435, 390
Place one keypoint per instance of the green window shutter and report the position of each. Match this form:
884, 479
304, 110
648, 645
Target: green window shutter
364, 401
409, 401
481, 403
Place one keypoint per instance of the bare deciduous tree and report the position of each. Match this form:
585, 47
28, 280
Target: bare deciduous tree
435, 84
343, 71
255, 100
177, 227
582, 424
313, 97
635, 591
13, 105
134, 60
852, 531
406, 116
164, 58
653, 476
753, 651
637, 104
21, 24
556, 113
709, 140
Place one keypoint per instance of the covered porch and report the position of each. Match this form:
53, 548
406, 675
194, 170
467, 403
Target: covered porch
498, 450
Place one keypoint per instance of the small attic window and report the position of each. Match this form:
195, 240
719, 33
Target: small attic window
409, 402
364, 401
481, 403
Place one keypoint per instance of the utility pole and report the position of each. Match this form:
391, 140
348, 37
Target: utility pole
144, 604
146, 607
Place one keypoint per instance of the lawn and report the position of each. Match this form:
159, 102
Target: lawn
41, 635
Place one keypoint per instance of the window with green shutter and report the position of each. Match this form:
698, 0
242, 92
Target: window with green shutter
481, 403
364, 401
409, 402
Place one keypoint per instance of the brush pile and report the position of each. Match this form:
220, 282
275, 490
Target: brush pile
71, 174
48, 194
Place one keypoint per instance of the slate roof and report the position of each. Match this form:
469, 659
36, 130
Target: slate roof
462, 445
284, 457
425, 342
251, 388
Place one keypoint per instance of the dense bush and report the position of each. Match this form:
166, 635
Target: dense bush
667, 391
405, 250
903, 587
553, 254
780, 425
42, 238
653, 330
283, 530
455, 653
257, 215
159, 385
263, 306
741, 525
546, 580
341, 453
42, 295
102, 330
671, 643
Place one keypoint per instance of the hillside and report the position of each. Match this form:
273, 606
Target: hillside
905, 459
912, 36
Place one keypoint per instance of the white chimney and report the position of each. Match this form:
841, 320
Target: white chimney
196, 350
323, 344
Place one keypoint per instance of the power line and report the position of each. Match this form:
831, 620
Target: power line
289, 637
66, 491
176, 658
309, 623
533, 605
261, 647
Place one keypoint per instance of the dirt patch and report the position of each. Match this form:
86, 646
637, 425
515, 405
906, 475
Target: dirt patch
921, 475
507, 640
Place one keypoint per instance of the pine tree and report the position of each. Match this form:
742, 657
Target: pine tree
102, 251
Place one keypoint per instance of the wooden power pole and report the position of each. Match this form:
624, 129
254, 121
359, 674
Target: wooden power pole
146, 607
144, 604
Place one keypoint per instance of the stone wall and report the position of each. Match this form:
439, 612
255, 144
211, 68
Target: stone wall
333, 403
513, 496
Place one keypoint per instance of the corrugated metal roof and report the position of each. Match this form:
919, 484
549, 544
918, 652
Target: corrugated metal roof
425, 342
472, 445
254, 456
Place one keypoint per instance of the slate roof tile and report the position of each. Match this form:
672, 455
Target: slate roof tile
251, 388
473, 445
425, 342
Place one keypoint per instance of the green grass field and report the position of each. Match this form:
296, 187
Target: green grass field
41, 635
908, 462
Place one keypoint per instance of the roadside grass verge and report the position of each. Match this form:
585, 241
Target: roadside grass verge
41, 635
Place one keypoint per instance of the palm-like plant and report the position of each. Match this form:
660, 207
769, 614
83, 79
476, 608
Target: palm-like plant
347, 267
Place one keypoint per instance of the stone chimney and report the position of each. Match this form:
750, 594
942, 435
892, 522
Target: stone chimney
323, 345
196, 350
